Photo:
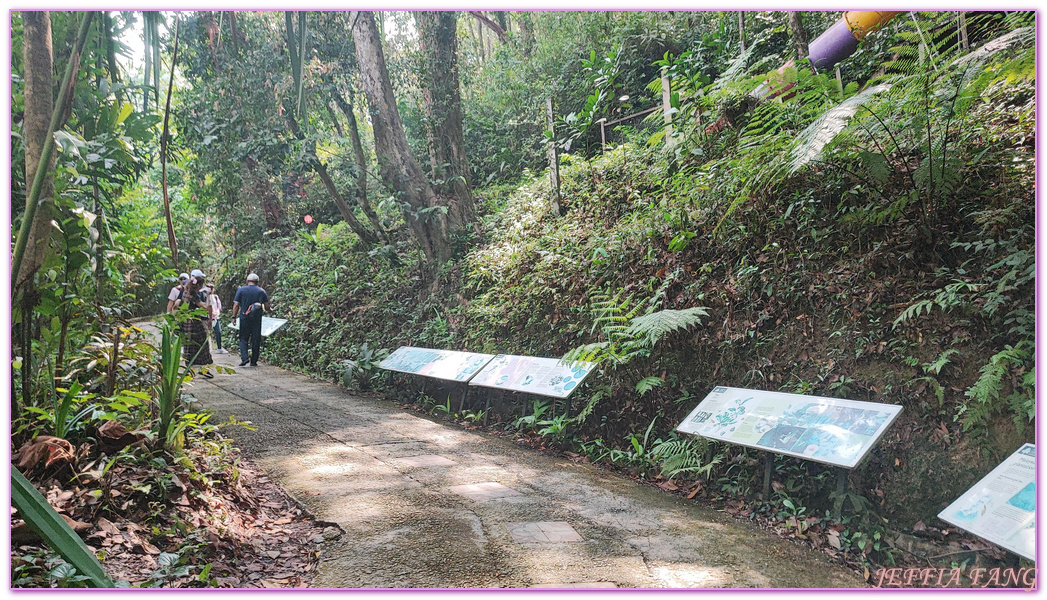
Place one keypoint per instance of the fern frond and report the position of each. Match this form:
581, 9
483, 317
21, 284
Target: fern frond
647, 384
809, 143
684, 457
652, 327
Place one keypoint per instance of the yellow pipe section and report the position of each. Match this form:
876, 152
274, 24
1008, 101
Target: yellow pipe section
864, 22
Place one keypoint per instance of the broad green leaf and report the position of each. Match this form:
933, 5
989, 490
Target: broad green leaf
56, 533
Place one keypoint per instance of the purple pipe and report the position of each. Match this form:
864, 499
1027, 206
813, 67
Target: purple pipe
836, 44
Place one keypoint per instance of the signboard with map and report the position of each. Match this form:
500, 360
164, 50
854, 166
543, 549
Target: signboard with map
1002, 506
439, 364
828, 430
269, 325
540, 376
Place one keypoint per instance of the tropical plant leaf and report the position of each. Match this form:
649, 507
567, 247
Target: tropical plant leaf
810, 142
656, 325
61, 538
647, 384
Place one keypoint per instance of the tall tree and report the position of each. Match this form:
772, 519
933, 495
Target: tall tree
361, 159
798, 34
39, 106
397, 166
442, 101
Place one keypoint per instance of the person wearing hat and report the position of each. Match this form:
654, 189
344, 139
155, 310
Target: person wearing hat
176, 293
195, 347
248, 305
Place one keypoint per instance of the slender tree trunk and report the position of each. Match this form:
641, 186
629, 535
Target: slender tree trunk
499, 30
523, 21
361, 164
39, 108
398, 168
163, 155
110, 53
442, 102
798, 33
366, 236
233, 33
741, 29
335, 120
36, 123
147, 47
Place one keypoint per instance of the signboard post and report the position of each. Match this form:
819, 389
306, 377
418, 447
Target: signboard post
1002, 506
827, 430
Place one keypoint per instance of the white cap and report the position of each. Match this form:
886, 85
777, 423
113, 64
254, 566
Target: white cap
184, 276
252, 277
197, 273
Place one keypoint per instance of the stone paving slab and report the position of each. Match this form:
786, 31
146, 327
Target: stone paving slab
426, 460
585, 585
484, 491
537, 532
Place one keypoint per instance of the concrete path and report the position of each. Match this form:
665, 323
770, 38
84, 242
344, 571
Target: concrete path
426, 504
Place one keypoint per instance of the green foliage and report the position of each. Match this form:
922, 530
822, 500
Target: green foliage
169, 390
685, 457
1010, 369
364, 369
61, 420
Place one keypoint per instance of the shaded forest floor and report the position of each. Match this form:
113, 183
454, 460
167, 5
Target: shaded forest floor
245, 533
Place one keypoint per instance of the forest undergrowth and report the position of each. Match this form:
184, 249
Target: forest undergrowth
827, 282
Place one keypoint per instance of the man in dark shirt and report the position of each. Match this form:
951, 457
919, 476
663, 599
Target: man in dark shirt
248, 304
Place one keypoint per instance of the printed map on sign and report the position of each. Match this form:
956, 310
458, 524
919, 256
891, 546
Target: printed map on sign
440, 364
269, 325
541, 376
828, 430
1002, 506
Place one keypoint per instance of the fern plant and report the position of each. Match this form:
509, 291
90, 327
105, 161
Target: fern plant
684, 457
629, 330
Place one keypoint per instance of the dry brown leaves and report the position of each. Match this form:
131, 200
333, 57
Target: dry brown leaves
252, 534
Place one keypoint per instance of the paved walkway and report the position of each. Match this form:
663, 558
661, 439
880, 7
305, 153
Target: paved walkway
426, 504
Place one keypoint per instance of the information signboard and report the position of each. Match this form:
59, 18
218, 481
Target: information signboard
1002, 506
828, 430
269, 325
541, 376
439, 364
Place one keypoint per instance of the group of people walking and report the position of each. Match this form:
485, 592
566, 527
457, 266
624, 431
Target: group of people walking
249, 304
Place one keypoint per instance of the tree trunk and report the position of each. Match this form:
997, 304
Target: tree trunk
39, 109
442, 101
39, 106
503, 20
335, 120
741, 30
523, 21
361, 164
110, 54
397, 166
798, 34
499, 30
